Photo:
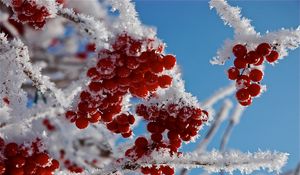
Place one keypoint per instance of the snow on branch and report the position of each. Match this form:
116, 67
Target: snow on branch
218, 95
212, 162
220, 117
232, 17
284, 39
128, 19
94, 29
22, 61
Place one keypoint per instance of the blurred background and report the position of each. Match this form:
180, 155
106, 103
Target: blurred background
193, 33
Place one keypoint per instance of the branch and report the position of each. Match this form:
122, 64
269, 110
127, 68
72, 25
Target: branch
218, 95
233, 121
220, 117
212, 162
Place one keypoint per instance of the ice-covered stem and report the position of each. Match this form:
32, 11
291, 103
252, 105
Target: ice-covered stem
220, 94
232, 17
238, 111
40, 81
212, 161
284, 40
95, 30
219, 118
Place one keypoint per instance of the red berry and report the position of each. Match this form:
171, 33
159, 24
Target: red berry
95, 117
239, 50
173, 135
11, 150
110, 85
263, 49
107, 117
156, 137
272, 57
112, 126
169, 61
16, 171
260, 61
54, 165
92, 72
127, 134
242, 81
151, 78
240, 63
252, 57
164, 81
125, 128
233, 73
132, 63
105, 66
17, 161
81, 123
254, 89
156, 67
242, 95
122, 119
255, 75
131, 119
91, 47
167, 170
246, 103
95, 86
141, 142
123, 72
41, 159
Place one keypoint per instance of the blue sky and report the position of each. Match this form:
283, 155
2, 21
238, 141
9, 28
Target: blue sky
193, 33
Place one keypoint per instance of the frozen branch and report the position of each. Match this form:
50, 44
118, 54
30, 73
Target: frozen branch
232, 17
233, 121
212, 162
220, 94
219, 118
94, 29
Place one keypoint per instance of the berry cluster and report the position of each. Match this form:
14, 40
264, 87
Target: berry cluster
181, 123
248, 79
17, 160
29, 12
124, 70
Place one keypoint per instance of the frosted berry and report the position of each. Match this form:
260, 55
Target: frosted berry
256, 75
242, 95
254, 89
242, 81
246, 103
41, 159
240, 63
272, 57
263, 49
141, 142
164, 81
233, 73
81, 123
252, 57
11, 150
169, 61
239, 50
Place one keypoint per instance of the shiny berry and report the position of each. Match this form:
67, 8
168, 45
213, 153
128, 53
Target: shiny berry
256, 75
239, 50
272, 57
233, 73
242, 95
263, 49
254, 89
